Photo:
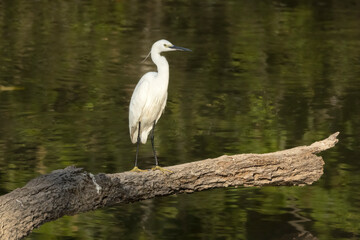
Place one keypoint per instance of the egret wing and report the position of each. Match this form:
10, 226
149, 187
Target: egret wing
137, 103
162, 107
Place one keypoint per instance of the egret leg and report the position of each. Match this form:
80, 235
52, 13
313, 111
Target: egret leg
153, 145
137, 145
136, 169
157, 167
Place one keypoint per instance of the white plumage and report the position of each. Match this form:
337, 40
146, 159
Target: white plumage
147, 104
149, 97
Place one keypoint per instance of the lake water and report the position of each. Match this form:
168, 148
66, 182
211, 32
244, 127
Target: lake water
263, 76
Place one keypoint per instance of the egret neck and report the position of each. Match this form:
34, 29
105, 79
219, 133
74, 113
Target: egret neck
162, 65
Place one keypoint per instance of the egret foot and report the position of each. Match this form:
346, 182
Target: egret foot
164, 170
136, 169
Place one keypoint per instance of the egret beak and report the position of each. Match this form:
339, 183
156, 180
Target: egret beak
180, 48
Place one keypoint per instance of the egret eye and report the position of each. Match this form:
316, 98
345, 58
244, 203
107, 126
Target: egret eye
165, 45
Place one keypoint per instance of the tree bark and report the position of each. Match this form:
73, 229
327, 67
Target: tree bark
72, 190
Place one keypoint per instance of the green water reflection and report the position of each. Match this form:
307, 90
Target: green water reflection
263, 76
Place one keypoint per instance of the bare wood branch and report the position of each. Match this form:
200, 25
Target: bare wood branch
71, 190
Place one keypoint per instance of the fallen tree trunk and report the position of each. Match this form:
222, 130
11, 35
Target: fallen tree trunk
71, 190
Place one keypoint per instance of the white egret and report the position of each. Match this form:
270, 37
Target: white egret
149, 99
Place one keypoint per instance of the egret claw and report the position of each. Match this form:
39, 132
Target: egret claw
136, 169
164, 170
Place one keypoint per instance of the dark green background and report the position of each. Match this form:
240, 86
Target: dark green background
263, 76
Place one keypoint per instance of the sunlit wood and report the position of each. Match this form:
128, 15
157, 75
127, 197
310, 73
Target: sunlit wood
71, 190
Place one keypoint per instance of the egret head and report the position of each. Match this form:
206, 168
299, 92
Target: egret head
166, 46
